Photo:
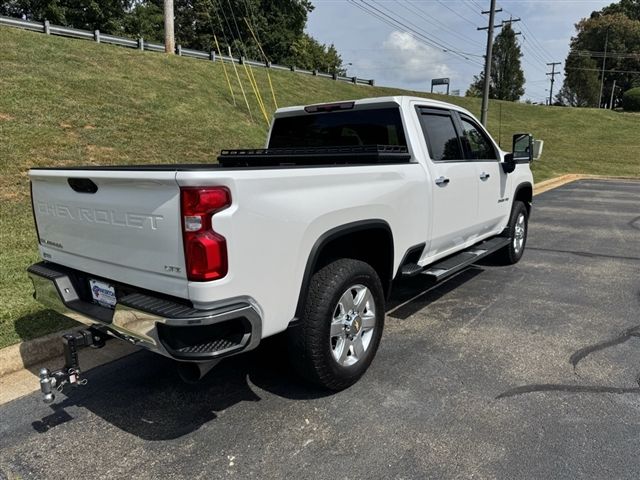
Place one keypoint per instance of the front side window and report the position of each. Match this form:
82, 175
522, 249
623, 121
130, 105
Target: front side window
477, 144
441, 135
379, 126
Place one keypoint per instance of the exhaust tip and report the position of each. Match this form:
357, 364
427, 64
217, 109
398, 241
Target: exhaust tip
193, 372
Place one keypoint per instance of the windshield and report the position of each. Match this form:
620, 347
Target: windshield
382, 126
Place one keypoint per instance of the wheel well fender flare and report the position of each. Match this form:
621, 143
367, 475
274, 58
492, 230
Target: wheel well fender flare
524, 192
330, 236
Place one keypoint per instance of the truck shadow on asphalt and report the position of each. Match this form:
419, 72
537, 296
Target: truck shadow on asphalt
411, 295
142, 393
575, 359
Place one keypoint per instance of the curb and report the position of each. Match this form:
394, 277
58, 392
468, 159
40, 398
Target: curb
572, 177
28, 353
555, 182
24, 381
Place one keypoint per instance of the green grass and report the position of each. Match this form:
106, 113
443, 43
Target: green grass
67, 102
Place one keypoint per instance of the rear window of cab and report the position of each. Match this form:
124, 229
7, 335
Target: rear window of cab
379, 126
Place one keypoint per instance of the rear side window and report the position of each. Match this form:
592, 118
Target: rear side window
382, 126
477, 144
441, 136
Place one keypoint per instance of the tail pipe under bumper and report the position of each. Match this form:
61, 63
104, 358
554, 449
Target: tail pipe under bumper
158, 324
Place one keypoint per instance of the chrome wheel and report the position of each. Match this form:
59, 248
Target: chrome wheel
519, 234
352, 326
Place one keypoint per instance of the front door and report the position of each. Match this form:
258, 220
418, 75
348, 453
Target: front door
493, 204
455, 186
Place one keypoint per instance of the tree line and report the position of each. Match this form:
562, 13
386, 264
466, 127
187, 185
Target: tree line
277, 24
615, 28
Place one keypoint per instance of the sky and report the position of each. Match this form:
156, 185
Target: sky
394, 56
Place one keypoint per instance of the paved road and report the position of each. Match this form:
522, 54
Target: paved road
530, 371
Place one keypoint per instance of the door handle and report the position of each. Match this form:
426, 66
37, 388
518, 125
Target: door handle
442, 181
484, 176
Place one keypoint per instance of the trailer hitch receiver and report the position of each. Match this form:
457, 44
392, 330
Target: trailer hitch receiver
70, 374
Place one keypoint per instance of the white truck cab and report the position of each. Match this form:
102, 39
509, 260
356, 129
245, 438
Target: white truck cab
307, 236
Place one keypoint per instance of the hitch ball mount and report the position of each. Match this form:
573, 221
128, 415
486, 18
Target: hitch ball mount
70, 374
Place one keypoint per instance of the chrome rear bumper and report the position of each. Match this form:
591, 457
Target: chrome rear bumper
158, 324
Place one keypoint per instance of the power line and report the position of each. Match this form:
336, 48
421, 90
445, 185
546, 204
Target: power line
632, 72
474, 7
233, 16
617, 55
398, 24
530, 51
456, 13
435, 22
533, 37
536, 41
219, 9
440, 44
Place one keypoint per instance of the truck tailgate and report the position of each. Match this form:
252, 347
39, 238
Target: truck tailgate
128, 230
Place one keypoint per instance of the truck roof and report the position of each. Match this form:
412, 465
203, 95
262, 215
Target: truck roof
399, 100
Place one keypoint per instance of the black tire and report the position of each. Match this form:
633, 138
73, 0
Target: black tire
311, 346
511, 254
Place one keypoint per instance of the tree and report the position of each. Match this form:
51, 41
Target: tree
581, 86
631, 100
475, 89
146, 20
617, 26
277, 24
507, 77
629, 8
308, 53
105, 15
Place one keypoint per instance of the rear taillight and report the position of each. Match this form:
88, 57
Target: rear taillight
205, 250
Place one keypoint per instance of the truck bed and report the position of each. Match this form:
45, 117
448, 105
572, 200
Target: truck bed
277, 158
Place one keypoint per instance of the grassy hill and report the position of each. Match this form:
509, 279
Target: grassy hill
67, 102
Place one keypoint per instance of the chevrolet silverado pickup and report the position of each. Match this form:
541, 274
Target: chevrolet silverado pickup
306, 236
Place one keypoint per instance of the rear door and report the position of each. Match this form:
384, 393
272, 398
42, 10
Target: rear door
120, 225
493, 206
455, 189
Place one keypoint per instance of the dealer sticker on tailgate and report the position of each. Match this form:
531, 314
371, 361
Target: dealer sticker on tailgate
103, 293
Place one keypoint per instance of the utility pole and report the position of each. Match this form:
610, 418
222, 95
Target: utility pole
169, 36
489, 55
613, 89
604, 61
487, 61
553, 74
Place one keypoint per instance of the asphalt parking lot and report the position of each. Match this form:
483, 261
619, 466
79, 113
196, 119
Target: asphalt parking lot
529, 371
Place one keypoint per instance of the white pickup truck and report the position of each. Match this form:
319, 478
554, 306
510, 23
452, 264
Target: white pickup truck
307, 236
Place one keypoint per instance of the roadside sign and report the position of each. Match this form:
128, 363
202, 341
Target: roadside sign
440, 81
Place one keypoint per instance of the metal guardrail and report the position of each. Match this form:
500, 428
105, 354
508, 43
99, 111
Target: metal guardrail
140, 44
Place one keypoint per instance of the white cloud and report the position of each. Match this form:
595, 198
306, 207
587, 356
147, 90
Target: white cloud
413, 62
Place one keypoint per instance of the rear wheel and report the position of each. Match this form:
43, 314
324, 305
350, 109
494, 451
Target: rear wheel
341, 326
517, 230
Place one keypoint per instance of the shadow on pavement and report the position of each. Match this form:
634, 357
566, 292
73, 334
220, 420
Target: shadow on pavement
142, 393
576, 358
413, 294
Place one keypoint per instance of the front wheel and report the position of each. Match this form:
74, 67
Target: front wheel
517, 230
341, 326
